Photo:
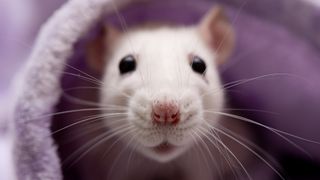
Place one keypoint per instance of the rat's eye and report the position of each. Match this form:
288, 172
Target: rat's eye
127, 64
198, 65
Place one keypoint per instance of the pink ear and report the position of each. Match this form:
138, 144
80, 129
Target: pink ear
218, 33
99, 47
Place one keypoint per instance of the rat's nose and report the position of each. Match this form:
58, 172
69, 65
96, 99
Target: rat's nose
165, 112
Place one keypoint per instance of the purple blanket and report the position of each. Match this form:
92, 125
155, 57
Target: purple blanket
277, 59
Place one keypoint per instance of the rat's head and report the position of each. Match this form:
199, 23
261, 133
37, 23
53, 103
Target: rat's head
163, 80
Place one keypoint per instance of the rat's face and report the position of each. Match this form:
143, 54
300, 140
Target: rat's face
164, 79
159, 83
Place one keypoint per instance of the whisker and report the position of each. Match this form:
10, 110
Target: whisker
244, 81
209, 152
276, 131
104, 137
118, 157
81, 101
250, 143
232, 154
72, 111
91, 103
194, 150
200, 149
117, 140
100, 142
93, 81
86, 130
249, 149
84, 73
224, 154
264, 76
248, 110
131, 156
193, 133
90, 119
221, 150
99, 83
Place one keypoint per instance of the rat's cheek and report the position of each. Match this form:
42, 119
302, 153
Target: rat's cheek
114, 98
213, 97
199, 85
190, 106
124, 88
129, 85
117, 93
139, 108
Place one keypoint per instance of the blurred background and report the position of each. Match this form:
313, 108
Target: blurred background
20, 22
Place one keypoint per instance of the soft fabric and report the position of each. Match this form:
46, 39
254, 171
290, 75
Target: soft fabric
35, 152
272, 38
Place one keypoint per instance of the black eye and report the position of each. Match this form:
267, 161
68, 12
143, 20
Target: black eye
198, 65
127, 64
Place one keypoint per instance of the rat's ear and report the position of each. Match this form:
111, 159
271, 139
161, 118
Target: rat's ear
98, 48
217, 31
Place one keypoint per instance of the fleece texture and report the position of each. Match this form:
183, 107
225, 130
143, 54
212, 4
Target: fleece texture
39, 88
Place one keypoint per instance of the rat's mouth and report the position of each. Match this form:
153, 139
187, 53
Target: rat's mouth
165, 151
164, 148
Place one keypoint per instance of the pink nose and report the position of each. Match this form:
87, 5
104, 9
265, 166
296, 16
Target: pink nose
166, 112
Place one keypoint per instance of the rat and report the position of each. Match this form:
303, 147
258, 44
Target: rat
159, 91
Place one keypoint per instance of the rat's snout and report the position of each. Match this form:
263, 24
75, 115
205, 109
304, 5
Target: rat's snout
165, 112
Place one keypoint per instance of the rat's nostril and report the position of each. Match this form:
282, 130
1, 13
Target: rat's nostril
156, 115
166, 112
174, 116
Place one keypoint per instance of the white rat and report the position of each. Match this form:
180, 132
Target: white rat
159, 86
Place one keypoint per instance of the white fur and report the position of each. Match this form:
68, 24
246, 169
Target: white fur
163, 70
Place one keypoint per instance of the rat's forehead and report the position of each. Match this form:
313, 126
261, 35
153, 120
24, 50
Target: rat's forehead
162, 46
161, 39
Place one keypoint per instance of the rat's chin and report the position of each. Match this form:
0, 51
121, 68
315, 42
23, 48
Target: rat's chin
164, 152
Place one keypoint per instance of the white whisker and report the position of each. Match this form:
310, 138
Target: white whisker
119, 155
223, 153
209, 152
276, 131
250, 143
84, 73
249, 149
244, 81
200, 149
233, 155
90, 119
104, 137
93, 81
